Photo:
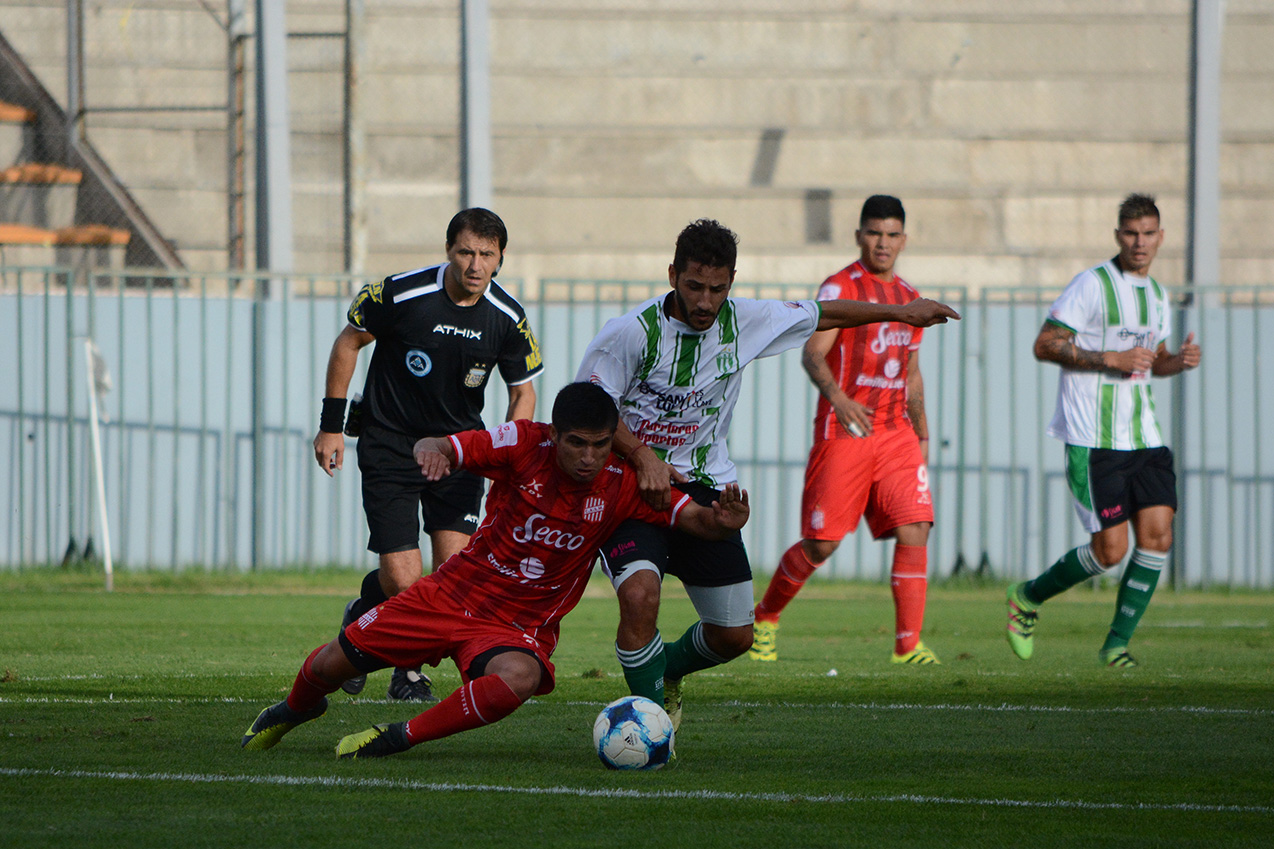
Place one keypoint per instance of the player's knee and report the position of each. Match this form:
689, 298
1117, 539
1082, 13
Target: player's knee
523, 683
1158, 540
520, 672
1109, 554
818, 550
399, 570
729, 642
738, 642
331, 665
639, 597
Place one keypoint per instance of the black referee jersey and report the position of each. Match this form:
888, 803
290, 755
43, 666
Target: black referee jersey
432, 358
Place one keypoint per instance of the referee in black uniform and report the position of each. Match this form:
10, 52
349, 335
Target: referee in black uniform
439, 332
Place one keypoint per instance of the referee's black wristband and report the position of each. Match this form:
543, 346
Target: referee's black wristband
332, 419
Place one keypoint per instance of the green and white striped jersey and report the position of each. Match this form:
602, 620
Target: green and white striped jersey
1109, 311
676, 387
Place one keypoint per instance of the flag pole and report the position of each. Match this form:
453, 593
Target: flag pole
90, 357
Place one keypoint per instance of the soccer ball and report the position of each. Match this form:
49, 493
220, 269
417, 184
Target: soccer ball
633, 733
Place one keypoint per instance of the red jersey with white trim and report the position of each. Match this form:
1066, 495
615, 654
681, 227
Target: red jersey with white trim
869, 362
528, 564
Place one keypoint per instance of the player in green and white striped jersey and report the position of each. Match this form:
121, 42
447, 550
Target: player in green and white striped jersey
1108, 332
674, 365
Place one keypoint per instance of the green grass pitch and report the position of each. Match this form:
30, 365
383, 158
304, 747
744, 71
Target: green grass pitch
121, 715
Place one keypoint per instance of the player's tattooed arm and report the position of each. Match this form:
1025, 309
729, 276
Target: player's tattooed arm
1056, 344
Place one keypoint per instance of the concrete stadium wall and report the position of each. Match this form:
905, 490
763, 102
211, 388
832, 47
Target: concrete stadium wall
1010, 130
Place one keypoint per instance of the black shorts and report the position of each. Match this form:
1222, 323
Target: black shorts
396, 495
1110, 486
696, 561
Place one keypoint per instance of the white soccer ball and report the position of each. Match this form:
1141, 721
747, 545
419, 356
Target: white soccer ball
633, 733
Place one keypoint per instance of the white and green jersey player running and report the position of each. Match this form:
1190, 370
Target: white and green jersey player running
674, 364
1108, 332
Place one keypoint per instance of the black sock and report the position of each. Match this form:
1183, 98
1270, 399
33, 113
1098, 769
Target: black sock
370, 595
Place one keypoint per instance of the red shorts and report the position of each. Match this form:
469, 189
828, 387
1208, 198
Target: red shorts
423, 625
882, 477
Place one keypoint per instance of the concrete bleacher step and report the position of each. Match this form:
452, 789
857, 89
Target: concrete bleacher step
93, 244
79, 235
41, 173
37, 206
42, 195
15, 122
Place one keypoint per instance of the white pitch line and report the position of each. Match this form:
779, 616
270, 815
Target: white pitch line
608, 793
865, 706
1000, 708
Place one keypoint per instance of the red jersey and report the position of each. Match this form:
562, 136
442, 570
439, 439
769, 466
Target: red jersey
528, 563
869, 362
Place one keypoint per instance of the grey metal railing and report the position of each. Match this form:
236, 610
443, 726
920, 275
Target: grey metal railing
181, 463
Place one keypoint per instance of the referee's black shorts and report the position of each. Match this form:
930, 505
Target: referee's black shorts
396, 495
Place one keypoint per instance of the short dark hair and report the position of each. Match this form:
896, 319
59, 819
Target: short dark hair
482, 223
584, 406
1137, 206
707, 242
882, 206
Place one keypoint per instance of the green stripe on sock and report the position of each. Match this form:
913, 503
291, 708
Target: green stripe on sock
684, 656
646, 679
1135, 590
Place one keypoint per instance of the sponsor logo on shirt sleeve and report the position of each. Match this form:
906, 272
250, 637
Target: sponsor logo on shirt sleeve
533, 359
504, 435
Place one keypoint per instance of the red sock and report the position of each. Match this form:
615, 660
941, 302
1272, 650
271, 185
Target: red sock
480, 702
309, 689
909, 584
794, 568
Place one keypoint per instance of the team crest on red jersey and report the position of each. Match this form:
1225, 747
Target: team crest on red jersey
594, 509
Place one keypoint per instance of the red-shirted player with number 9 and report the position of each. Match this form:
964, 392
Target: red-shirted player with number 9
871, 441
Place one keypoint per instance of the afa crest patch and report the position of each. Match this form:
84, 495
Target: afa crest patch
476, 377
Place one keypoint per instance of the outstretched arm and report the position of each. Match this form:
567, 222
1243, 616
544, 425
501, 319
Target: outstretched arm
921, 312
726, 515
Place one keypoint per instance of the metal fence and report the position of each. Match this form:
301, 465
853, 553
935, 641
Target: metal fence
214, 402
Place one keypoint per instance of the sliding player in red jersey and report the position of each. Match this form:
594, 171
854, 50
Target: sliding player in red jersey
557, 493
871, 441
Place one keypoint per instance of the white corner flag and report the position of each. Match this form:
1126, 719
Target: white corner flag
99, 383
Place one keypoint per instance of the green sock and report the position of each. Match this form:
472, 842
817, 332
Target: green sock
1076, 565
1135, 589
690, 653
644, 669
